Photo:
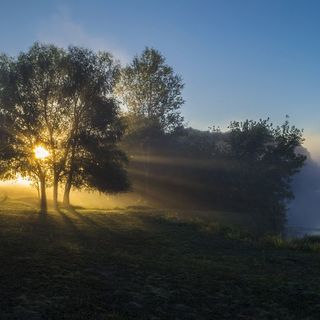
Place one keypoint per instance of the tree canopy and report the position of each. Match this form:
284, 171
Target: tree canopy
151, 93
54, 98
247, 168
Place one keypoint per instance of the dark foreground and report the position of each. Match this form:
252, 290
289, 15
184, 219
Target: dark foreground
138, 264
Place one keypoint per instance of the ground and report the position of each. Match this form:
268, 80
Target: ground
140, 263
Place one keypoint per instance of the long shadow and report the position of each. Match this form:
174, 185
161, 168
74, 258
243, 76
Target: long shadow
44, 218
44, 225
85, 219
97, 229
71, 226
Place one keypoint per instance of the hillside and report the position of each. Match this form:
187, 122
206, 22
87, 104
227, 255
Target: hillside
141, 263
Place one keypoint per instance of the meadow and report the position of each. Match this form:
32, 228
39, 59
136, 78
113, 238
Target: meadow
144, 263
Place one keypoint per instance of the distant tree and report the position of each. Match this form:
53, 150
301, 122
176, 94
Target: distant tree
246, 169
151, 94
263, 160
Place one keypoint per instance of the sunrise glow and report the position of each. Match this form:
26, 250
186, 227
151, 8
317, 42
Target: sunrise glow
41, 152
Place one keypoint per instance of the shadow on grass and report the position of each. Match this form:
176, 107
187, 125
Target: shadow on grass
83, 218
70, 224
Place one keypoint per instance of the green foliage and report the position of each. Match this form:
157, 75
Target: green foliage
31, 106
246, 169
94, 160
264, 160
150, 92
58, 99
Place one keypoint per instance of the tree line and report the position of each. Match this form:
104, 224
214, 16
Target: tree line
246, 169
92, 115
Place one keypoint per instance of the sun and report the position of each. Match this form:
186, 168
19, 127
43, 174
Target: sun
40, 152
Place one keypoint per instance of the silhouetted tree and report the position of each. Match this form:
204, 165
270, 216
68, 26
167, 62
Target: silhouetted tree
56, 98
93, 116
31, 108
247, 168
98, 163
265, 158
151, 93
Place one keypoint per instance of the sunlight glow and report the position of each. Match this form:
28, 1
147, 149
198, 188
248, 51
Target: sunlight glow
40, 152
18, 180
22, 180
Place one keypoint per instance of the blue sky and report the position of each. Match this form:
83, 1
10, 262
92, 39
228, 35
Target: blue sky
239, 59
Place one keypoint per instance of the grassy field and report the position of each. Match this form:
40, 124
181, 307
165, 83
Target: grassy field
140, 263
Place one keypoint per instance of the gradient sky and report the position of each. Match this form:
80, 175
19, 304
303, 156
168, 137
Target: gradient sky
239, 59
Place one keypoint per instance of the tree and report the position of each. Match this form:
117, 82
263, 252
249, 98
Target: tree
56, 100
246, 169
96, 161
150, 92
264, 159
95, 126
31, 107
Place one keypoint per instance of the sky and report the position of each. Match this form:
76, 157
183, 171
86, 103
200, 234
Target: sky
239, 59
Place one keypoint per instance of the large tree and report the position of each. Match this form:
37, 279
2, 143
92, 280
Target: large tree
31, 108
56, 99
95, 124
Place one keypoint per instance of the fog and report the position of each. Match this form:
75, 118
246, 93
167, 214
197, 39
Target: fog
28, 195
303, 214
304, 210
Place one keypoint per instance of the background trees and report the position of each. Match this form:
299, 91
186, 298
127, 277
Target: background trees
151, 93
246, 169
265, 159
64, 101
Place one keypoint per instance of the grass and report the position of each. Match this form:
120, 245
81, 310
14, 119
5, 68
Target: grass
145, 264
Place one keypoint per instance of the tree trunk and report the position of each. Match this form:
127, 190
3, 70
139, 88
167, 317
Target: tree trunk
38, 190
55, 191
43, 196
67, 189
